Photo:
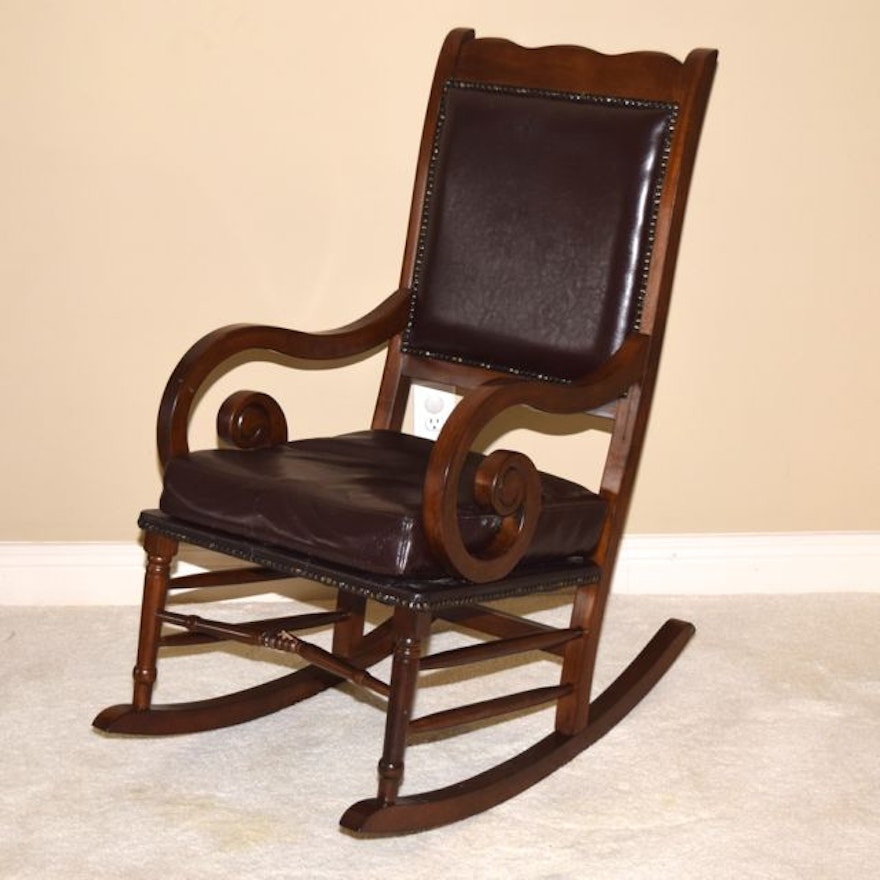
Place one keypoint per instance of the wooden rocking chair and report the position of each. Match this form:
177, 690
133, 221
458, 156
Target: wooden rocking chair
547, 211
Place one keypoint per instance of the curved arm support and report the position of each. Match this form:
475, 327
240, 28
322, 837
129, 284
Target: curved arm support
212, 350
507, 483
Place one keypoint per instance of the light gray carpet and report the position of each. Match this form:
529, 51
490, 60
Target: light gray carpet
757, 756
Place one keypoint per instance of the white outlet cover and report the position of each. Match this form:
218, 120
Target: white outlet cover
430, 408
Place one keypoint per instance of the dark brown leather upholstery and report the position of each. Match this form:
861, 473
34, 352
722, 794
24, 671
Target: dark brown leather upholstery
355, 500
540, 205
520, 180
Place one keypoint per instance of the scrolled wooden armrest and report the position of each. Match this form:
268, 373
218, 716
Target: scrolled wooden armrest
214, 349
508, 484
251, 420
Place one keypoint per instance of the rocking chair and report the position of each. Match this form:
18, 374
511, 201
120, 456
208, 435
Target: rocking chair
548, 205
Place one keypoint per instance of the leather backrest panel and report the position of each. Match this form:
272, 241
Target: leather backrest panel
537, 229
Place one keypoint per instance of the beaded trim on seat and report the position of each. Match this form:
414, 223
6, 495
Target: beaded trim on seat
409, 593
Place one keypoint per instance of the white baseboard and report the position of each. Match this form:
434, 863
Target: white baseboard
111, 573
800, 562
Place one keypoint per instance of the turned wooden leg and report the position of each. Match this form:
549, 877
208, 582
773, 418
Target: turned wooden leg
411, 627
160, 552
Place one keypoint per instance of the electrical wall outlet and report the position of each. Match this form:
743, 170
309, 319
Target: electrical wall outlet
431, 406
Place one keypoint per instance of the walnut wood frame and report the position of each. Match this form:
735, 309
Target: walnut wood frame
507, 484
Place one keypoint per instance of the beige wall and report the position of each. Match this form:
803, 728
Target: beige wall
167, 166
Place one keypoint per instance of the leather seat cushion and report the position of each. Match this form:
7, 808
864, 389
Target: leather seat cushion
355, 500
